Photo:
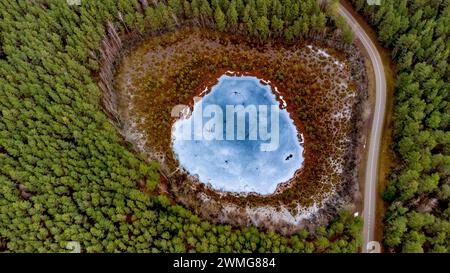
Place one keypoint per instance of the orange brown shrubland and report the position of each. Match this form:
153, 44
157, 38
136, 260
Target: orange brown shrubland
317, 81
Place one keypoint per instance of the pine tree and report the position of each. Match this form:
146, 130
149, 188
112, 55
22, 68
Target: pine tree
176, 7
262, 27
205, 12
250, 26
187, 9
219, 18
261, 6
277, 9
246, 15
348, 35
240, 6
277, 26
232, 15
215, 4
195, 7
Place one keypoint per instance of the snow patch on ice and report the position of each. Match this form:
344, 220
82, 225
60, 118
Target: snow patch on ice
264, 215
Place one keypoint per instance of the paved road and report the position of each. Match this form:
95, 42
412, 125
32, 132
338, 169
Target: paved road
371, 175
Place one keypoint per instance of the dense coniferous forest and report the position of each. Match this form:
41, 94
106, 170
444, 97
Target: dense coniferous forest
66, 175
418, 193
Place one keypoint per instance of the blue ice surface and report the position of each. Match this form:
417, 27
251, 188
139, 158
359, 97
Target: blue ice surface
238, 165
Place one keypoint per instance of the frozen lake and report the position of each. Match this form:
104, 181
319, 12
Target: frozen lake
239, 138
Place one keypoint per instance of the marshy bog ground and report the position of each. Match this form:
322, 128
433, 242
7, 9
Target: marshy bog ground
322, 96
